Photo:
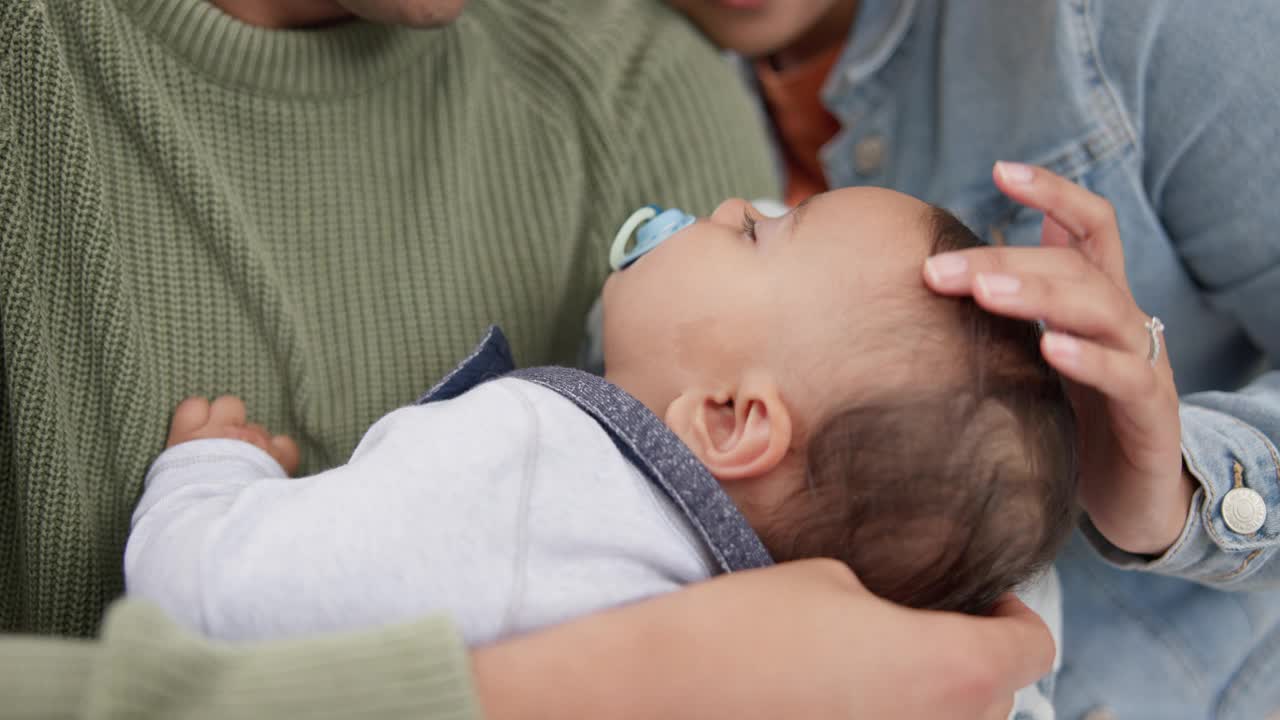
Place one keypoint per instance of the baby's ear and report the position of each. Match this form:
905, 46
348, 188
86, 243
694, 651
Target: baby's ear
738, 434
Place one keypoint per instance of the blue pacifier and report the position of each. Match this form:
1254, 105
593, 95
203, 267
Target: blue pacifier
651, 225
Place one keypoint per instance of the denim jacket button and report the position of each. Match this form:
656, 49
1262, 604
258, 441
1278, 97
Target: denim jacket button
1244, 510
1100, 713
868, 155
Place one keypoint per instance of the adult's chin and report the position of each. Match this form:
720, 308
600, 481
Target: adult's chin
411, 13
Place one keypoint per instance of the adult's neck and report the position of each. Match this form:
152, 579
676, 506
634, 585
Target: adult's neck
282, 14
828, 33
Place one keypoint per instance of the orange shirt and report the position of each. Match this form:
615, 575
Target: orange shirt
794, 100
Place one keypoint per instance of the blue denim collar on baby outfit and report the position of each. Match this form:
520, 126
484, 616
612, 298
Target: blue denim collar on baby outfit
640, 436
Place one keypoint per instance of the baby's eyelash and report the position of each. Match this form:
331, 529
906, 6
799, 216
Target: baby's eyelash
749, 226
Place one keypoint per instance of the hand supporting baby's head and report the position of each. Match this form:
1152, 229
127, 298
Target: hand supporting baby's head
849, 412
954, 488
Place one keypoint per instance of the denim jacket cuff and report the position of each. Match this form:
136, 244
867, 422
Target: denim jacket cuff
1223, 454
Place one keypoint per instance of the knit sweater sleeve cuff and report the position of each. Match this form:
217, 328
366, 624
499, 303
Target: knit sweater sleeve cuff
147, 667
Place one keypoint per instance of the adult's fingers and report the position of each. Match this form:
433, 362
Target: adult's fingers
1054, 284
1094, 308
1122, 376
1052, 234
1009, 650
1088, 217
1016, 643
952, 273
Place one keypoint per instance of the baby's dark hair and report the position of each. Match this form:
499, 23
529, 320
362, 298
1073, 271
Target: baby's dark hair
951, 491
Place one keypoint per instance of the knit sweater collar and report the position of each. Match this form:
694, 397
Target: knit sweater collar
339, 60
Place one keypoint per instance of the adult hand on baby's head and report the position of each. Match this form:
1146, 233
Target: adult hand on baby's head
225, 418
1132, 482
803, 639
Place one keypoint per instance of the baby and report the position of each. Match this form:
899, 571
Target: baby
775, 389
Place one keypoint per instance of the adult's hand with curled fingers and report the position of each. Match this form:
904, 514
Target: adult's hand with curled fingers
1132, 482
802, 639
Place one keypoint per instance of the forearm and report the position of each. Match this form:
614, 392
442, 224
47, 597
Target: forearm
597, 665
1229, 446
799, 640
634, 663
802, 639
145, 667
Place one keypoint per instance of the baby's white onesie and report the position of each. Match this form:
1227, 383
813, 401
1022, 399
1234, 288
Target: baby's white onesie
508, 508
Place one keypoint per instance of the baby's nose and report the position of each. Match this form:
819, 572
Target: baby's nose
731, 212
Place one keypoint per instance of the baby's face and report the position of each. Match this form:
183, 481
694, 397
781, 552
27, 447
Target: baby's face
737, 292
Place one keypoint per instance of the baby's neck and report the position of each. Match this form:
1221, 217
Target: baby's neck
641, 389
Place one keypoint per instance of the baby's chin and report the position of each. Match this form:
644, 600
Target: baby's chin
609, 282
607, 293
608, 298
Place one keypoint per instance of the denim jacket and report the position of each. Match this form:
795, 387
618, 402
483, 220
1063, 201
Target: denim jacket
1171, 110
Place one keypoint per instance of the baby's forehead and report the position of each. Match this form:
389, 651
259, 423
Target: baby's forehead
867, 220
866, 305
872, 195
864, 240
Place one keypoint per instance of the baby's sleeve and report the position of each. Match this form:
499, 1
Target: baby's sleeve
419, 521
189, 490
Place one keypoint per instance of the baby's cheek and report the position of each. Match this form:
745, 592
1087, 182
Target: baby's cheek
703, 344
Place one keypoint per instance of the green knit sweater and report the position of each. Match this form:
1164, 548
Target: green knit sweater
320, 221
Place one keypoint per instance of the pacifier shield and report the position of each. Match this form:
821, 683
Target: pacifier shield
651, 225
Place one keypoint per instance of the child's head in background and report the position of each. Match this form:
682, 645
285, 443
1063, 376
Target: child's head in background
847, 410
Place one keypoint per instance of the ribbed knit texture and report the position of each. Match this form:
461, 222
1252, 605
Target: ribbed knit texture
146, 667
321, 222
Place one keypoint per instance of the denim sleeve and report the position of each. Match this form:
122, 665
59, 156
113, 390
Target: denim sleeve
1228, 442
1202, 85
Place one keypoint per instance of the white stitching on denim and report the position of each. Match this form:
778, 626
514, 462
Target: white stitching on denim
1211, 504
1266, 442
1094, 57
1235, 573
1238, 470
